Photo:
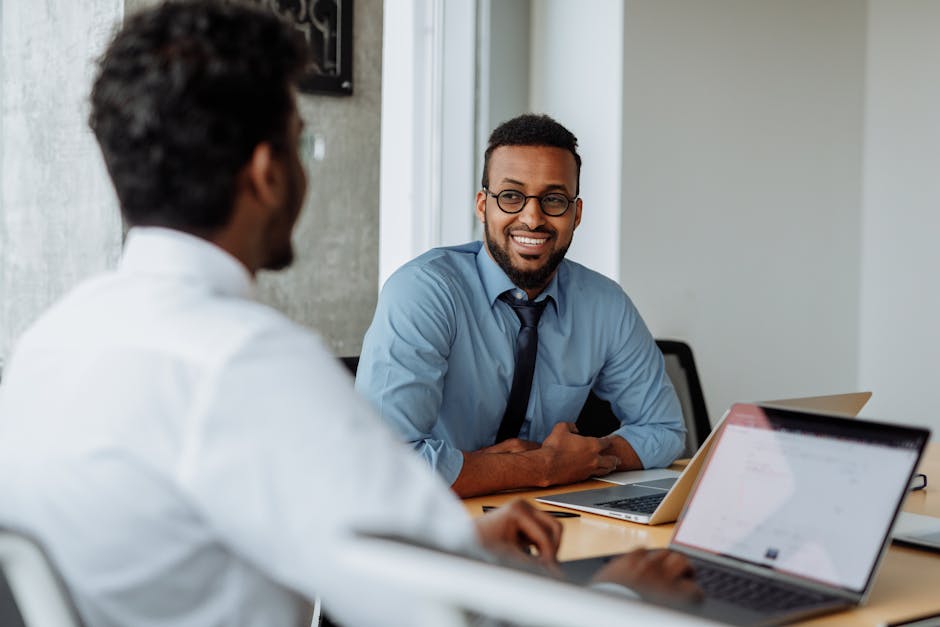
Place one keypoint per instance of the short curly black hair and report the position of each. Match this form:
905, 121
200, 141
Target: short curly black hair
184, 93
531, 129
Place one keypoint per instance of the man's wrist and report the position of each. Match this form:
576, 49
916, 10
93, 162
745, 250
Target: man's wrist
614, 587
621, 447
541, 464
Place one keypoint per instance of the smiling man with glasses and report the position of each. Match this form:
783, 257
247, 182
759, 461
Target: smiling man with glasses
482, 355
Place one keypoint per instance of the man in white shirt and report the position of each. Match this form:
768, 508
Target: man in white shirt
187, 455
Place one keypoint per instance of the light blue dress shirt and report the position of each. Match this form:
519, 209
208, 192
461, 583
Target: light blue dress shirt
437, 361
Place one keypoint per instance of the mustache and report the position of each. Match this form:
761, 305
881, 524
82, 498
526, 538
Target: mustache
539, 229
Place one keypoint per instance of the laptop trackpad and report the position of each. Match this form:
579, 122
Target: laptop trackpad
658, 484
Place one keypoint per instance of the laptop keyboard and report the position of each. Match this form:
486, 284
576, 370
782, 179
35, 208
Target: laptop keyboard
753, 593
642, 504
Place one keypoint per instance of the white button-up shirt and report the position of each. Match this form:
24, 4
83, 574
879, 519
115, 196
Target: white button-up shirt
190, 456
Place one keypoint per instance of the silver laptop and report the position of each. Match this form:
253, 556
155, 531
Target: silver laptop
792, 513
656, 496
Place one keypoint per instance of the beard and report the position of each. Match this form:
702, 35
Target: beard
282, 253
526, 279
281, 259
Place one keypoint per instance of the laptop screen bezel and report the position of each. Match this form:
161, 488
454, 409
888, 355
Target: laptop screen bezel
824, 424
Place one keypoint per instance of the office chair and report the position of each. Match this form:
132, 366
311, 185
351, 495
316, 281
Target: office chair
31, 593
680, 366
597, 417
351, 363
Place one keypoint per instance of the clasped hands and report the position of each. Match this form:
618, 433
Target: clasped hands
565, 455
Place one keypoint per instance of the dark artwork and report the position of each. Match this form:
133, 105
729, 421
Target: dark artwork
327, 27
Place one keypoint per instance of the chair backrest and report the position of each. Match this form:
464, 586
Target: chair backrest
597, 417
351, 363
31, 593
680, 366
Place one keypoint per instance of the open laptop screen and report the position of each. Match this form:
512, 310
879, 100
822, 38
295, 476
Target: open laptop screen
809, 495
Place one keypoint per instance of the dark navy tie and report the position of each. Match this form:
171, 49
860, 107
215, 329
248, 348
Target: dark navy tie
527, 346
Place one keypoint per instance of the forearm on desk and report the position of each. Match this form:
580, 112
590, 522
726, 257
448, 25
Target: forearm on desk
564, 457
484, 473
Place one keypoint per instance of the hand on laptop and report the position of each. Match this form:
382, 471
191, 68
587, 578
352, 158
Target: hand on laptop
515, 529
655, 574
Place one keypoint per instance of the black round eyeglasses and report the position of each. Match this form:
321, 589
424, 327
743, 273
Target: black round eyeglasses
552, 204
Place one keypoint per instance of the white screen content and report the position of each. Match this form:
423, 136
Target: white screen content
811, 505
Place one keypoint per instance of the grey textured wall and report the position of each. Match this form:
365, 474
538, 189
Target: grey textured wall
332, 284
58, 217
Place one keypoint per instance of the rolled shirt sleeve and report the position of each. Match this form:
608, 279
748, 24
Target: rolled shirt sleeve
635, 381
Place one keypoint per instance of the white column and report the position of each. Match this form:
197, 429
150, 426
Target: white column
577, 78
428, 131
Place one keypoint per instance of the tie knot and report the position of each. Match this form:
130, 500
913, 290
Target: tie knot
527, 311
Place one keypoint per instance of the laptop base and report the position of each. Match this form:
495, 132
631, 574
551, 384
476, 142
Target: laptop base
581, 571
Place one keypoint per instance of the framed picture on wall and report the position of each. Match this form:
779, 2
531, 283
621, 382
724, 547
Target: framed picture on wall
326, 26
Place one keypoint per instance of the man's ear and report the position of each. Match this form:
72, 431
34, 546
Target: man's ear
577, 213
264, 175
481, 206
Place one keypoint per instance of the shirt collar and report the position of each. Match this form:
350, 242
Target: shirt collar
168, 252
495, 281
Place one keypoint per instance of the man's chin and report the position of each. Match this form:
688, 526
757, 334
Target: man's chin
528, 269
532, 258
534, 271
281, 261
530, 272
529, 263
530, 277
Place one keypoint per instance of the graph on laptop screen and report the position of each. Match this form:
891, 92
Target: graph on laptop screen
812, 502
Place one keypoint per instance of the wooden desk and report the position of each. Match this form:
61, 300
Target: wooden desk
907, 584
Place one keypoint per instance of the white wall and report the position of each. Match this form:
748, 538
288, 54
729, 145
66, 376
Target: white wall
742, 139
900, 312
507, 64
576, 77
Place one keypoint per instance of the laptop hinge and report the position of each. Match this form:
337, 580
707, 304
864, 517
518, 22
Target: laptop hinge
736, 564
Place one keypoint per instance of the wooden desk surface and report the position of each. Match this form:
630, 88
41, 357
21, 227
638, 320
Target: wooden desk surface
907, 584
